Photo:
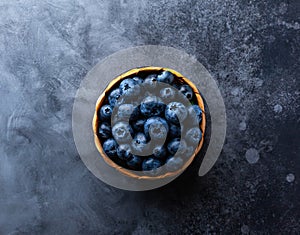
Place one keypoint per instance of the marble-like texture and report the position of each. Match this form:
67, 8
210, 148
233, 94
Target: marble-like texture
250, 47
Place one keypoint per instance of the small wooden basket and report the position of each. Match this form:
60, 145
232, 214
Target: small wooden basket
104, 95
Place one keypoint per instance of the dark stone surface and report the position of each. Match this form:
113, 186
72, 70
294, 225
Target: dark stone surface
250, 47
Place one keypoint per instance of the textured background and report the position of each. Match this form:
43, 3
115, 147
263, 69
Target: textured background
250, 47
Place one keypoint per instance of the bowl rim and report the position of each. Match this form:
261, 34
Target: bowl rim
100, 101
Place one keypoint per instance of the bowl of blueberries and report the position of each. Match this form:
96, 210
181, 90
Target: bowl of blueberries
149, 123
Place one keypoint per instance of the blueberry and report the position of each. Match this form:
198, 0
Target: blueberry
104, 130
151, 164
114, 96
122, 132
168, 94
160, 152
176, 86
156, 128
138, 125
195, 114
174, 163
187, 91
166, 77
110, 147
129, 87
175, 112
177, 146
120, 101
151, 81
139, 143
193, 136
141, 138
124, 152
174, 131
152, 106
189, 151
137, 80
125, 111
134, 162
105, 112
136, 114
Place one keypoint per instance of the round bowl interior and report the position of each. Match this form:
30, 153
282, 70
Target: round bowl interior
102, 99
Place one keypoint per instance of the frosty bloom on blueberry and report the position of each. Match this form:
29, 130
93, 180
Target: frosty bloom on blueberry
175, 112
152, 106
139, 143
138, 125
173, 163
165, 76
187, 91
177, 145
110, 147
150, 120
129, 87
137, 80
134, 162
167, 94
121, 131
156, 128
151, 164
195, 114
175, 131
160, 152
124, 151
125, 111
193, 136
105, 112
105, 130
114, 96
151, 81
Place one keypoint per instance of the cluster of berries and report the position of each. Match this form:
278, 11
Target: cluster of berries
149, 120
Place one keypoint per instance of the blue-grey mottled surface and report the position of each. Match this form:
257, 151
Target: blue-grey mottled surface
251, 48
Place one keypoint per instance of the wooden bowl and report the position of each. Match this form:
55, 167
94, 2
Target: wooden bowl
102, 99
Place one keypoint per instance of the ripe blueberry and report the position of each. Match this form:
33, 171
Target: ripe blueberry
137, 80
122, 132
104, 130
152, 106
110, 147
124, 151
166, 77
151, 81
156, 128
139, 143
173, 163
105, 112
175, 112
151, 164
114, 96
177, 146
174, 131
125, 111
138, 125
193, 136
159, 152
136, 114
167, 93
129, 87
187, 91
195, 114
134, 162
189, 151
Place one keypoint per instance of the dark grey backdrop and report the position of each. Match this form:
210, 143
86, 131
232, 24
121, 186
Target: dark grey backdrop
250, 47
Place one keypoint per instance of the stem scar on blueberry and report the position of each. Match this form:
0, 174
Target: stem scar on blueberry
173, 107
